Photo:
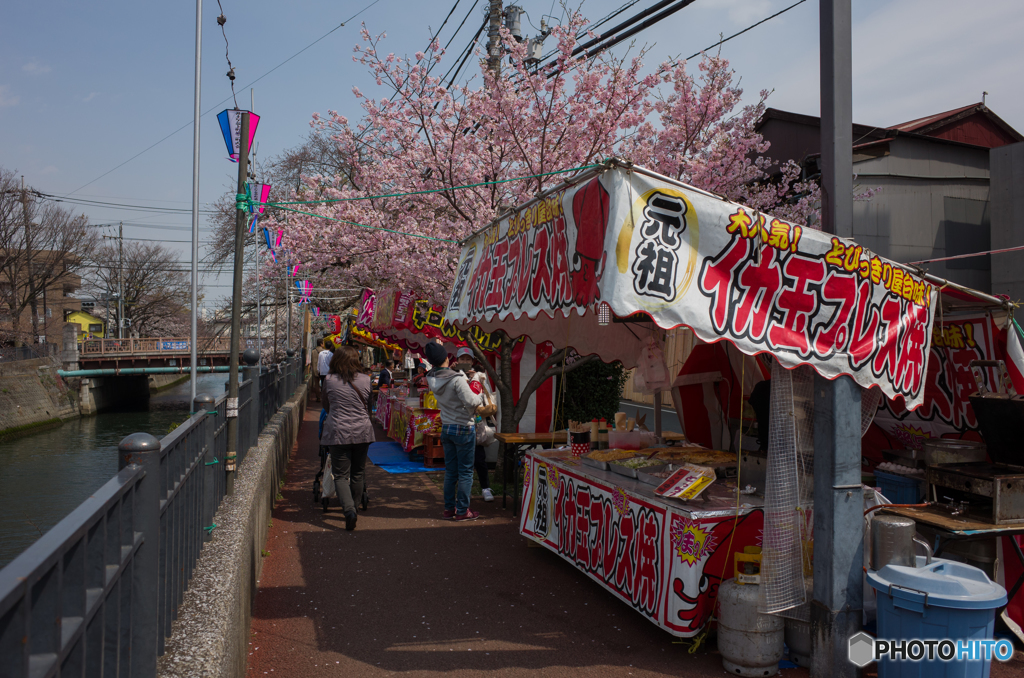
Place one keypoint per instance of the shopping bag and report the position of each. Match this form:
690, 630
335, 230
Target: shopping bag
327, 485
484, 433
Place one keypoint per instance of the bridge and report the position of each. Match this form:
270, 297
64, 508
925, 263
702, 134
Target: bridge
158, 352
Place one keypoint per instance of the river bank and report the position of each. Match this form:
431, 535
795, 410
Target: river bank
49, 470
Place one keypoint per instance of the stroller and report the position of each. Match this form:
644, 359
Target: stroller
318, 481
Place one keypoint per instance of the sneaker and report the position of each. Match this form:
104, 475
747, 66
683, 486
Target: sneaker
448, 514
488, 495
350, 521
468, 515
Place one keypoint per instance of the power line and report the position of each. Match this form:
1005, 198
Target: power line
724, 40
220, 103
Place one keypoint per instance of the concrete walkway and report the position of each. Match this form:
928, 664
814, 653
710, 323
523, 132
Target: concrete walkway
409, 593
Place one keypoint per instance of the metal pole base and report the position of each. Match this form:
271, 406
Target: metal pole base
831, 631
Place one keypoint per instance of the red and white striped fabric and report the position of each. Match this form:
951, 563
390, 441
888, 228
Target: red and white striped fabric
526, 358
1015, 357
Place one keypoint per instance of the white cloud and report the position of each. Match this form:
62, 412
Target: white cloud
35, 68
7, 99
92, 95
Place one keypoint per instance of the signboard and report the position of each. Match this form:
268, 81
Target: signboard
685, 257
947, 411
662, 562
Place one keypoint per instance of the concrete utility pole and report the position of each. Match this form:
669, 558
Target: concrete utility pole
494, 38
236, 310
28, 255
838, 501
120, 280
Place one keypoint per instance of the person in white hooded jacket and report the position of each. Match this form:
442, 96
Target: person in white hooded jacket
458, 404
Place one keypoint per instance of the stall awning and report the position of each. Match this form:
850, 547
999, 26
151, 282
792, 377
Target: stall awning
677, 256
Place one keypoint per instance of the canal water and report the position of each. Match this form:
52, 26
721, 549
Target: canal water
44, 475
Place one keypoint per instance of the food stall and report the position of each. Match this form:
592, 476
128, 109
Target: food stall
608, 261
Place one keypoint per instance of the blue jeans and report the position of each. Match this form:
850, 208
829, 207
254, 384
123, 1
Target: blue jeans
459, 444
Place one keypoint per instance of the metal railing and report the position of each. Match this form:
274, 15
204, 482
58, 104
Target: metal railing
10, 354
96, 595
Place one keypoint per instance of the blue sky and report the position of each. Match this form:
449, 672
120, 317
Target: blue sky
86, 85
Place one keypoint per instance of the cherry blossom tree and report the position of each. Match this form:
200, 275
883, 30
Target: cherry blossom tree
394, 216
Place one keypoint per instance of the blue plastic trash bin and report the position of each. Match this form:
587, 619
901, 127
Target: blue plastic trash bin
941, 600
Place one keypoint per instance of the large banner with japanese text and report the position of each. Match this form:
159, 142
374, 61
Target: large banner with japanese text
662, 562
946, 411
685, 257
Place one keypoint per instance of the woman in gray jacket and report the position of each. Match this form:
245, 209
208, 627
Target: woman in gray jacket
348, 431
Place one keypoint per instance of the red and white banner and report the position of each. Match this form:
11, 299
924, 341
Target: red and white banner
664, 562
685, 257
946, 410
410, 322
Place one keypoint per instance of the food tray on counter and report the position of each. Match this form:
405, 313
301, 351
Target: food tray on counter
593, 463
644, 475
622, 470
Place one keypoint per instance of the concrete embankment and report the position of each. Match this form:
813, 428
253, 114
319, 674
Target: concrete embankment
160, 382
211, 635
33, 395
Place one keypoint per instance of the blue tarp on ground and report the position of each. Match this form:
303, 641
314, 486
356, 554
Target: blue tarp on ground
393, 459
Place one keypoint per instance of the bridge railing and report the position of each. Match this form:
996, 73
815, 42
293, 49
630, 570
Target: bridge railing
157, 345
96, 595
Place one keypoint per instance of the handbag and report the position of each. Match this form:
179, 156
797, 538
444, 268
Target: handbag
484, 433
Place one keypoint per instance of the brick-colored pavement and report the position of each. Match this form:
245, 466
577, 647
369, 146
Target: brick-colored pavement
407, 592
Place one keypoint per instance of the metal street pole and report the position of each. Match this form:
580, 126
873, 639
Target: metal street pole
194, 329
256, 244
838, 502
236, 310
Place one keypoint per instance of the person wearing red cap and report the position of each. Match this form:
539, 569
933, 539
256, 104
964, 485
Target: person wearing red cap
458, 404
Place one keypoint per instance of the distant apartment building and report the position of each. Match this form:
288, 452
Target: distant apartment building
54, 299
950, 184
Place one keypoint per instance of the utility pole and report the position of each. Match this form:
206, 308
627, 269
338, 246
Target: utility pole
120, 279
236, 309
277, 314
494, 38
194, 328
838, 506
28, 255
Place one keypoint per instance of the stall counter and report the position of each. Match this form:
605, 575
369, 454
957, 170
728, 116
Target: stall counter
663, 557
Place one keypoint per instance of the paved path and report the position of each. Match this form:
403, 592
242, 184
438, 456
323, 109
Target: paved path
409, 593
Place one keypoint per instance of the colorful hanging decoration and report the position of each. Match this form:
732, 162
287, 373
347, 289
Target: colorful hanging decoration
252, 224
280, 236
231, 127
294, 270
259, 194
266, 236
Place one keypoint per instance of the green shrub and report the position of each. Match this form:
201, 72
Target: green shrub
591, 392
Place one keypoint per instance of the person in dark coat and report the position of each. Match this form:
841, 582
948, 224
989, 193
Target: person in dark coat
348, 430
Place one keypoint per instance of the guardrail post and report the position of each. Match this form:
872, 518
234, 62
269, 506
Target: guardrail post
211, 464
147, 642
292, 381
251, 372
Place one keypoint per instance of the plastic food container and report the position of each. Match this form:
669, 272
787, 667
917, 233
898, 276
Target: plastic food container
949, 451
624, 440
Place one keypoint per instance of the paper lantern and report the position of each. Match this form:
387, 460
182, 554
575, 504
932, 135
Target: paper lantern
231, 127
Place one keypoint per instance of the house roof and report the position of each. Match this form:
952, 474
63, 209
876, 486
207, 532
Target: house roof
974, 125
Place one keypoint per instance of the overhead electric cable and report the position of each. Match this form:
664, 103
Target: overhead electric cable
734, 35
